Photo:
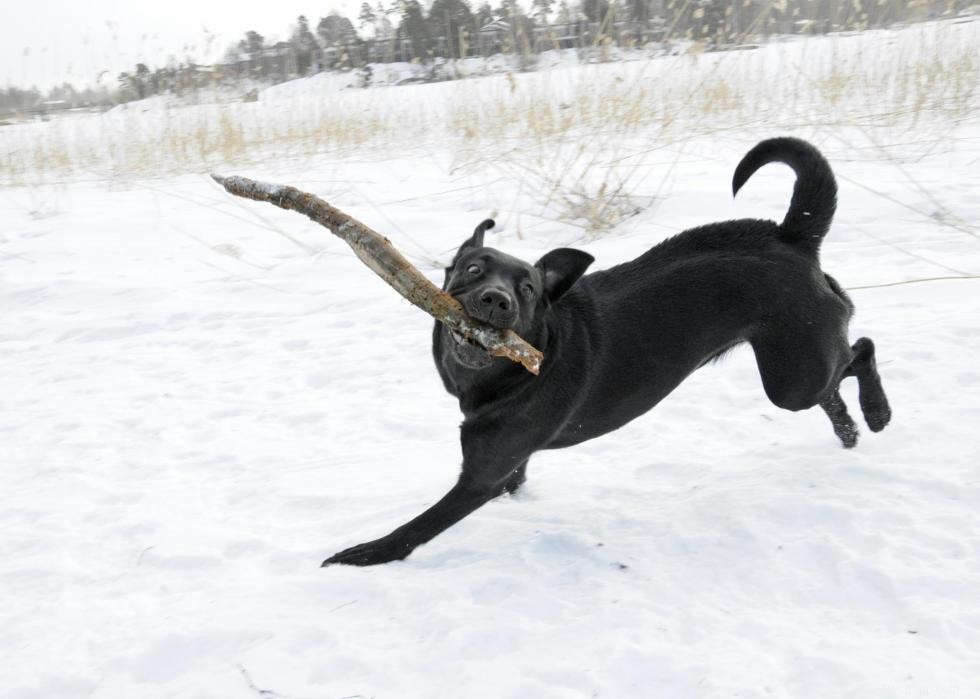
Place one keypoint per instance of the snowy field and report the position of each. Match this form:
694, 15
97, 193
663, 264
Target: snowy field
201, 398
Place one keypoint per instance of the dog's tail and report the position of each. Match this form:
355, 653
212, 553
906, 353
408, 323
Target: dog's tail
814, 195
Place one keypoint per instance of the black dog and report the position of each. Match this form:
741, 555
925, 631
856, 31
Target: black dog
616, 342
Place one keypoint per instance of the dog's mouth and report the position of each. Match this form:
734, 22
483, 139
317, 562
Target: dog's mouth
468, 353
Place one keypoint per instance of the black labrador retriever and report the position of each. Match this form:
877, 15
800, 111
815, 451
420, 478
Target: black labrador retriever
616, 342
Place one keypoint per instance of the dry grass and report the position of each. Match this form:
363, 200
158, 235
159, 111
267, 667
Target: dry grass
551, 134
548, 125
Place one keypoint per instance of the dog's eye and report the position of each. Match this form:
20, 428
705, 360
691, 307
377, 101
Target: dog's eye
473, 269
528, 290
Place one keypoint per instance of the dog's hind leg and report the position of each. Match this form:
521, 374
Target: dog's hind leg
844, 426
799, 373
871, 395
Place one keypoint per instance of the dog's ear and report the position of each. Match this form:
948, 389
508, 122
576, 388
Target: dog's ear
475, 240
561, 268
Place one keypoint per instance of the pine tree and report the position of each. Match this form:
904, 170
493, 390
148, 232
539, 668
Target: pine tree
304, 44
252, 44
142, 79
451, 19
484, 15
640, 10
413, 27
367, 16
595, 10
542, 8
565, 13
335, 30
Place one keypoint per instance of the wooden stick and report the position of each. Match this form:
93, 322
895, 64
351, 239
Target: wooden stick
380, 255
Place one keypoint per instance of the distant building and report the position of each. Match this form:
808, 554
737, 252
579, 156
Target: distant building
276, 63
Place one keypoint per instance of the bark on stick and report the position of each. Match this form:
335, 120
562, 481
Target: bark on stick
380, 255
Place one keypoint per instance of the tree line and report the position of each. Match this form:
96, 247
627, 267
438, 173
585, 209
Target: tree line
405, 30
19, 100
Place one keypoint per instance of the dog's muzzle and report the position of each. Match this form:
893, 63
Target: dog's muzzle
493, 306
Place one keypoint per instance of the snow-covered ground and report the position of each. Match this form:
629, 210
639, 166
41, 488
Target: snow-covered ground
202, 397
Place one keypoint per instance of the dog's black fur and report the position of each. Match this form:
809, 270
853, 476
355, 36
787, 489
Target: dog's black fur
616, 342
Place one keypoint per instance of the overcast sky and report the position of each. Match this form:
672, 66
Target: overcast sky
47, 42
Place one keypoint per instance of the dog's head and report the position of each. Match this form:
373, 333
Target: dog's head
506, 292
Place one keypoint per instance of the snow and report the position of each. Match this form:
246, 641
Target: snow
202, 397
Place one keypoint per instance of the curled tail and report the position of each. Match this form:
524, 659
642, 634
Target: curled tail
814, 195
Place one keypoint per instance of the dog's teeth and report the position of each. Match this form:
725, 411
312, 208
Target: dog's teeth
457, 337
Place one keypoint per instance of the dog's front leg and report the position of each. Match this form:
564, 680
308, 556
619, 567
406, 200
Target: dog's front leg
480, 481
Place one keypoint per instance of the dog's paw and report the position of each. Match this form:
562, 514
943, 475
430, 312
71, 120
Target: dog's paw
844, 427
848, 435
878, 418
382, 550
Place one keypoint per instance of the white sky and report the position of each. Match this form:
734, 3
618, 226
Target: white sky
47, 42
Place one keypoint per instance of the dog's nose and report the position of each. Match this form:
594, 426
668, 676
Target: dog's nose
491, 305
495, 300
